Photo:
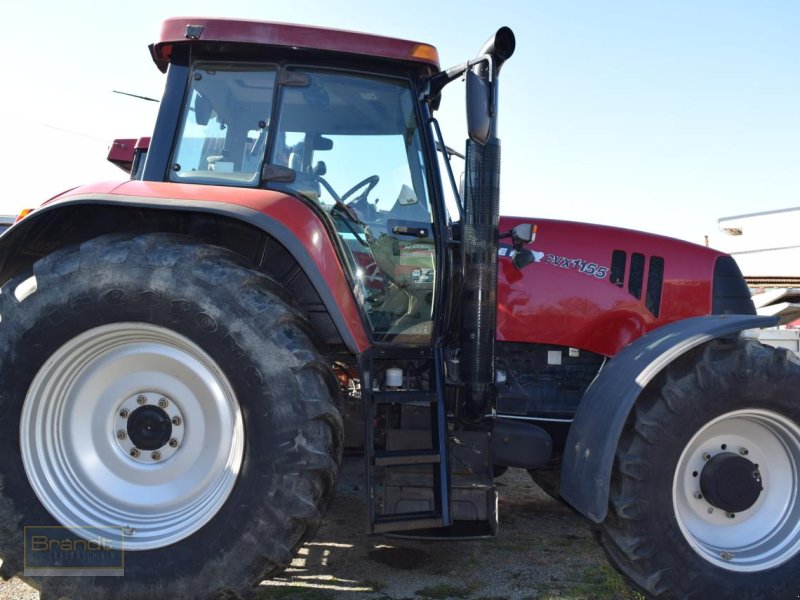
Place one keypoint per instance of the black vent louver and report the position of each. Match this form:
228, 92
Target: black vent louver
655, 282
635, 280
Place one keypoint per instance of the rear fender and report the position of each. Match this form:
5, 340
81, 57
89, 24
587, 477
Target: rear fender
290, 223
598, 423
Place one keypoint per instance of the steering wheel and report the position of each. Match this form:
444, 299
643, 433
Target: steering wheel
352, 216
352, 208
358, 202
327, 186
370, 182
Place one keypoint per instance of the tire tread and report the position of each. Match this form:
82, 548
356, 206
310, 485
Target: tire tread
280, 524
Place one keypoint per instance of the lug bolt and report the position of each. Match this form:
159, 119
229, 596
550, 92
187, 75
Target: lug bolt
124, 413
706, 456
156, 455
173, 443
698, 495
163, 402
710, 510
141, 399
726, 555
730, 515
744, 451
135, 452
176, 421
121, 435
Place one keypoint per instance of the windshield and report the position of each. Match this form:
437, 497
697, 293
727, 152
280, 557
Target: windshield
347, 128
349, 142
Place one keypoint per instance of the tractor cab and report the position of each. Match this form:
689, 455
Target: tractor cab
348, 140
349, 143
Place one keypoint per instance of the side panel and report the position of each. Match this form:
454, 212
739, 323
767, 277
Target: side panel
599, 288
286, 219
595, 431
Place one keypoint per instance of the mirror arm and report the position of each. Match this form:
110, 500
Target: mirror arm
439, 80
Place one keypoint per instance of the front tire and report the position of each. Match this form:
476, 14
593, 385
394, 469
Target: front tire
704, 493
157, 386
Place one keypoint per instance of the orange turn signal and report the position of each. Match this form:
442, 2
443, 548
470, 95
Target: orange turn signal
425, 52
22, 214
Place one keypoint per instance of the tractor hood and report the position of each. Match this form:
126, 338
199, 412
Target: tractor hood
598, 288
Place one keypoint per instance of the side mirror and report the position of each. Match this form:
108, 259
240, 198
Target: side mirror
522, 234
481, 79
479, 118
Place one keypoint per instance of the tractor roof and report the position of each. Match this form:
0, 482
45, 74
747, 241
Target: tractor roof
183, 30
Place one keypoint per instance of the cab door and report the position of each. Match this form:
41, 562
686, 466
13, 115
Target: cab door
353, 144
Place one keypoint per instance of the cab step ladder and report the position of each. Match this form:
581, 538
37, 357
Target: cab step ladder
377, 397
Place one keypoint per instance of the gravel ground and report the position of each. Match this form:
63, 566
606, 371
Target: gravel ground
543, 551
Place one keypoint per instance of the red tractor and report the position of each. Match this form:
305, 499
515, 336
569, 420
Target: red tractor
185, 355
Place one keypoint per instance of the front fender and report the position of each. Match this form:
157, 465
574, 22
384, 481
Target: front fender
287, 220
598, 423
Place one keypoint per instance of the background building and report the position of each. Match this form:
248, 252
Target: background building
766, 245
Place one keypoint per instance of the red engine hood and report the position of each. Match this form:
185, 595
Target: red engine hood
597, 288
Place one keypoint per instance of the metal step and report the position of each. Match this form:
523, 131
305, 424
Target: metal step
408, 397
387, 458
406, 521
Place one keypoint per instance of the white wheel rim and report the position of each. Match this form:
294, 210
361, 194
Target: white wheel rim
766, 534
85, 475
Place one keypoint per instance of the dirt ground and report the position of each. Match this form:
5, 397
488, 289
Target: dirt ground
543, 551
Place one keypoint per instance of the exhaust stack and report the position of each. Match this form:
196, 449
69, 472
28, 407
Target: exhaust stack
479, 229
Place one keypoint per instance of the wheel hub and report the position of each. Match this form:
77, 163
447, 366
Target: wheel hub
731, 482
149, 427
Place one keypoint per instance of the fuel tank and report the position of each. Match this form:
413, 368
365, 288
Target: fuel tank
597, 288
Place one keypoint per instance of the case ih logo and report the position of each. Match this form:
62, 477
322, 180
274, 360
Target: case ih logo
578, 264
509, 252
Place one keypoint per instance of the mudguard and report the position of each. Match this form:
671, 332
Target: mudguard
288, 221
597, 426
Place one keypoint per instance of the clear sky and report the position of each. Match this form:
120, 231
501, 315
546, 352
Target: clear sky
662, 116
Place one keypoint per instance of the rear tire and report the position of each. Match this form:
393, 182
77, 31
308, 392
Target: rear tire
156, 384
703, 499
